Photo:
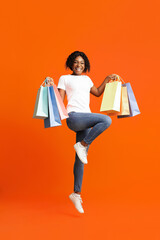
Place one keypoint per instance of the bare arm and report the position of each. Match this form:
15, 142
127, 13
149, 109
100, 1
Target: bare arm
98, 91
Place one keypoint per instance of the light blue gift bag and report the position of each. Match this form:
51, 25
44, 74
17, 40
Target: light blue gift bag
134, 109
41, 105
53, 119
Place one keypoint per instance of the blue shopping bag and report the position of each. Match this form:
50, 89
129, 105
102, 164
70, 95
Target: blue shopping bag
53, 119
41, 105
133, 106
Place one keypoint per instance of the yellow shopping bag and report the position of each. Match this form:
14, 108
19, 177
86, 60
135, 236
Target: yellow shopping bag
111, 98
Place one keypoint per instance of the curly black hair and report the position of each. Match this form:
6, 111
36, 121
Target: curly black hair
72, 57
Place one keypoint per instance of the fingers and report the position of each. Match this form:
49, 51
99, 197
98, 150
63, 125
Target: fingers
114, 77
49, 81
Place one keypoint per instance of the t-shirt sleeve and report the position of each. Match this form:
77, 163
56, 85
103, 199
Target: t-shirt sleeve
61, 83
90, 83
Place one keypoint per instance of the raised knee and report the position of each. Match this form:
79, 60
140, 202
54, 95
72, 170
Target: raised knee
107, 121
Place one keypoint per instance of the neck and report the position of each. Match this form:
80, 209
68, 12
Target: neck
76, 74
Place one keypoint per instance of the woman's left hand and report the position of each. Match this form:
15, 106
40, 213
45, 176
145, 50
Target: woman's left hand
112, 77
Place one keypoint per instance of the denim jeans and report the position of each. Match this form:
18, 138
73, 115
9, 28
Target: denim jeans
87, 126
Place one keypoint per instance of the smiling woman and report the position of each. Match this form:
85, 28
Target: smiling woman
78, 66
78, 60
87, 126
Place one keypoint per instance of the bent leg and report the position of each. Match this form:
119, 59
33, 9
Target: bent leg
81, 121
100, 127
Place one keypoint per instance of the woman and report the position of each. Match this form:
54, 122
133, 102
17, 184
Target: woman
87, 125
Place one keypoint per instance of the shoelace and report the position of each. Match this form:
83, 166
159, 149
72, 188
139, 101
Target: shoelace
80, 200
79, 197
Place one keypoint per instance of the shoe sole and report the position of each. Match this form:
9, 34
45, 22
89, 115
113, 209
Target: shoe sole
78, 156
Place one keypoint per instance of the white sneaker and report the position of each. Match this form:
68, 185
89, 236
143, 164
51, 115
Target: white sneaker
77, 200
81, 152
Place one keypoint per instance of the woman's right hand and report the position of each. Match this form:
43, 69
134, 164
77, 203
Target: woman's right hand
49, 81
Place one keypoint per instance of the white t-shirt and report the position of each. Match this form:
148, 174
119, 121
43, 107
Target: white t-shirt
78, 92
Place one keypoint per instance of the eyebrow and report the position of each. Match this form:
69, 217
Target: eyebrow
78, 61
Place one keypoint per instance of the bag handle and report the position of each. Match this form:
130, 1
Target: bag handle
122, 80
119, 79
46, 81
43, 83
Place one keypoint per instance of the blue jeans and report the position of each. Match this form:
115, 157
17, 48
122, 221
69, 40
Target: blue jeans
87, 126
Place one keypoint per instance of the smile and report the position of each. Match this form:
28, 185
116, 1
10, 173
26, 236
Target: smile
78, 69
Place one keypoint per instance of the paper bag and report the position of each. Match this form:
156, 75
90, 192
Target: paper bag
61, 108
41, 105
111, 98
53, 119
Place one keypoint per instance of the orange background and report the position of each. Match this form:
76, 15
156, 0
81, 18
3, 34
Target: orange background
121, 182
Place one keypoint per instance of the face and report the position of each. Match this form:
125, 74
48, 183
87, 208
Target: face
78, 66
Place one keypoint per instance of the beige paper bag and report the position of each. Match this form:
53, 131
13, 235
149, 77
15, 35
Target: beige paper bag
111, 98
124, 103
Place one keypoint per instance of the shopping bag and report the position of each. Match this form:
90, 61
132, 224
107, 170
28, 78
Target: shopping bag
111, 98
133, 106
53, 119
61, 108
41, 105
124, 109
